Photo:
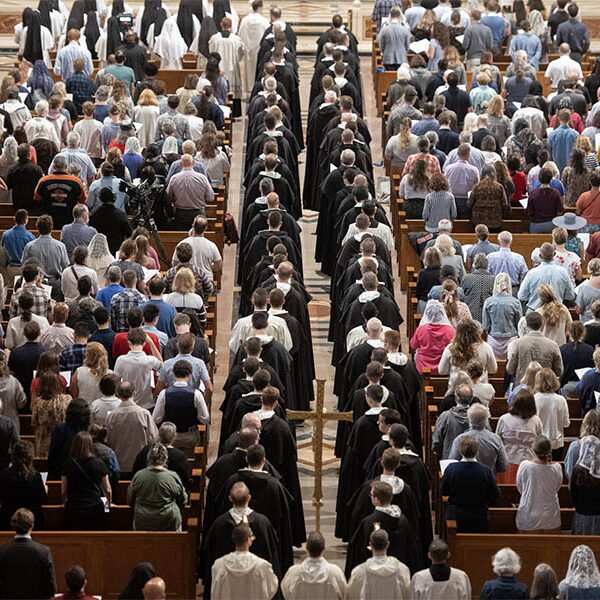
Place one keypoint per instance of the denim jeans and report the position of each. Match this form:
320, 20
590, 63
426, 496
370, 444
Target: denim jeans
546, 227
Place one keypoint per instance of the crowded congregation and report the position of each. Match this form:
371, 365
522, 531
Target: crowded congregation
300, 301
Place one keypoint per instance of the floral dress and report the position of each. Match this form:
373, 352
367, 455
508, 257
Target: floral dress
45, 416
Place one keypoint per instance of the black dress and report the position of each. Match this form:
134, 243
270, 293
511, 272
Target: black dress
84, 509
16, 492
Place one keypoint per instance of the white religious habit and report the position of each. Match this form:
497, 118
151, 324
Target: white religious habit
457, 587
379, 577
252, 28
47, 40
242, 575
231, 49
314, 579
170, 45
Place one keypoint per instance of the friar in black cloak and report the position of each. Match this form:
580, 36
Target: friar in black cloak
260, 219
347, 106
360, 505
401, 363
329, 158
255, 125
258, 165
280, 447
267, 45
364, 435
275, 17
337, 23
228, 464
357, 403
281, 186
334, 137
255, 248
404, 544
259, 128
303, 370
411, 470
321, 70
314, 137
367, 204
269, 497
218, 542
264, 100
346, 87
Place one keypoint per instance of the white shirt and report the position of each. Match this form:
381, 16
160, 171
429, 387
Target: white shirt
277, 328
204, 253
553, 411
102, 407
560, 68
201, 410
136, 367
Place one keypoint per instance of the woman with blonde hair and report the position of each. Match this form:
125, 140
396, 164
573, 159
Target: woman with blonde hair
589, 426
402, 145
527, 382
85, 382
118, 94
584, 143
142, 254
184, 295
444, 244
467, 346
99, 256
552, 409
48, 410
590, 292
455, 64
423, 29
498, 123
146, 112
456, 310
538, 482
556, 318
563, 257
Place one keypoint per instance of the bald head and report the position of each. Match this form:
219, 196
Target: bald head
249, 434
374, 328
273, 200
239, 495
155, 589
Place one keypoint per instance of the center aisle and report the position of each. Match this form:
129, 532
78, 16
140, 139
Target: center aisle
318, 286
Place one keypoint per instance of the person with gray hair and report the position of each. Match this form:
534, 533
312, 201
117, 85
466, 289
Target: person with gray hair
476, 157
77, 233
491, 452
500, 316
520, 59
157, 494
176, 460
188, 147
39, 128
478, 286
451, 423
506, 563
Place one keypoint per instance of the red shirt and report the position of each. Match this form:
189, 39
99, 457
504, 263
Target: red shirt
121, 346
35, 384
113, 144
520, 181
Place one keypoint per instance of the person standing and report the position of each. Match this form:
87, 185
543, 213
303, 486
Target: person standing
22, 179
251, 30
478, 39
26, 567
575, 33
15, 239
65, 57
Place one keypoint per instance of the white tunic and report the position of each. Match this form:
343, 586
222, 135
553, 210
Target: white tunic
251, 31
170, 45
379, 577
314, 579
47, 43
242, 575
423, 587
231, 49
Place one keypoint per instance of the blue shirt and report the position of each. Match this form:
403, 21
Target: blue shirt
132, 162
163, 338
80, 157
500, 315
166, 314
497, 25
199, 371
93, 200
66, 56
76, 234
105, 295
589, 384
555, 184
556, 277
425, 125
482, 247
14, 240
531, 44
176, 168
561, 142
507, 261
101, 112
125, 74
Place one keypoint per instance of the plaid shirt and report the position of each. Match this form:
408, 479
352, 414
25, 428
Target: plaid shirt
204, 285
71, 358
120, 305
432, 164
382, 9
41, 301
82, 88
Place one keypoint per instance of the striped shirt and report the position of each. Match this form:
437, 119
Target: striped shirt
67, 55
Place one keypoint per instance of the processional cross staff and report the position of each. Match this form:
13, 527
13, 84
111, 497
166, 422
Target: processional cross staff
318, 417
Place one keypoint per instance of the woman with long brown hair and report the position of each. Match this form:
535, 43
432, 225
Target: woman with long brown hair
456, 310
142, 252
15, 335
414, 186
84, 486
439, 41
556, 318
455, 64
187, 92
48, 409
465, 347
213, 159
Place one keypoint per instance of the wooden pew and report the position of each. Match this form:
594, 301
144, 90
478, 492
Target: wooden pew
108, 557
533, 549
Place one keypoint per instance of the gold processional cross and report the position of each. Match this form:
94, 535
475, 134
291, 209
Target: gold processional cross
318, 417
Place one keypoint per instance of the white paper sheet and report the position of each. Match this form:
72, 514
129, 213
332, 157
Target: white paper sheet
48, 289
67, 376
23, 96
465, 249
149, 274
69, 97
585, 238
445, 462
581, 372
44, 476
523, 202
517, 104
226, 110
460, 38
420, 46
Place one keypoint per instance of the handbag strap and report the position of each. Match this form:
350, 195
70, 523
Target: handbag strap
591, 201
88, 477
74, 273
